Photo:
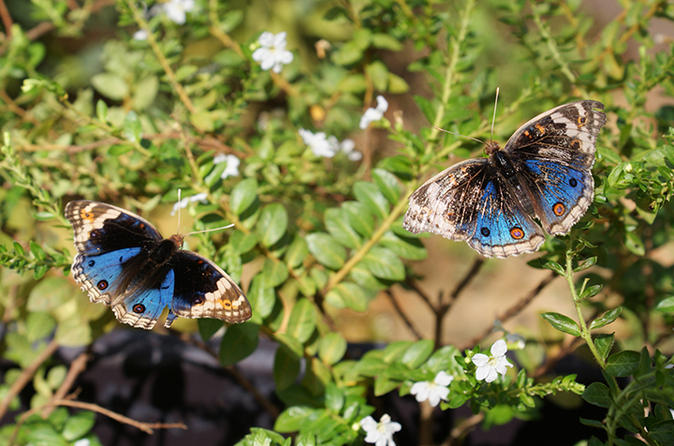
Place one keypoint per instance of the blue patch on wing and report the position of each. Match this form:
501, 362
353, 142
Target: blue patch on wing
101, 271
149, 303
499, 223
557, 188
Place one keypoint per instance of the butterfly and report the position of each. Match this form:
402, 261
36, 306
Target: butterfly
543, 172
123, 261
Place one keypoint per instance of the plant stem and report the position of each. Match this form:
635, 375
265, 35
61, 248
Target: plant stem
584, 331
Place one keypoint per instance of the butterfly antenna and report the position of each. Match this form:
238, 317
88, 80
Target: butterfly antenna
179, 208
493, 118
210, 230
459, 134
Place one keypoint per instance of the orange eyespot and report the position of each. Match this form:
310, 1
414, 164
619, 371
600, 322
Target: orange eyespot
581, 120
558, 209
540, 128
527, 134
86, 215
575, 144
516, 233
226, 303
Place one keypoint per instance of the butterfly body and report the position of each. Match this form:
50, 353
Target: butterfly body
543, 172
124, 262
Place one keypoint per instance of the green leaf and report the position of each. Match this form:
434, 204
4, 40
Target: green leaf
597, 393
238, 342
110, 85
369, 195
606, 318
562, 323
241, 242
347, 294
262, 299
383, 263
326, 250
302, 321
297, 252
272, 224
387, 183
417, 353
338, 225
78, 425
360, 217
603, 343
207, 327
406, 247
334, 397
623, 363
39, 324
666, 305
56, 375
102, 110
243, 195
293, 418
585, 264
386, 42
274, 273
286, 367
331, 348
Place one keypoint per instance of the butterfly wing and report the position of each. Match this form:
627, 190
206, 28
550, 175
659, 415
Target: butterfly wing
109, 242
100, 227
555, 152
471, 202
202, 289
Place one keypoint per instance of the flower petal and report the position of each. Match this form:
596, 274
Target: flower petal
482, 372
480, 359
443, 379
499, 348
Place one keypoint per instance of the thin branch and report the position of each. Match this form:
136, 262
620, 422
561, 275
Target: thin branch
514, 310
462, 428
145, 427
402, 315
470, 275
76, 367
421, 293
7, 21
26, 376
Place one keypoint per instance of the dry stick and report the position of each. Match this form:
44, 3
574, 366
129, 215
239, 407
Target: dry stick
26, 376
402, 315
460, 430
6, 19
513, 310
145, 427
76, 367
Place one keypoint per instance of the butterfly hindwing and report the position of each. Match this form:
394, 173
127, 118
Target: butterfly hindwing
215, 294
141, 308
563, 194
501, 226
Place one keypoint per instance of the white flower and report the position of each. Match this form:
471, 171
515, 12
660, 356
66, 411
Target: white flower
141, 34
433, 391
381, 434
185, 201
232, 168
272, 52
175, 10
82, 442
347, 147
488, 368
328, 146
320, 143
374, 114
